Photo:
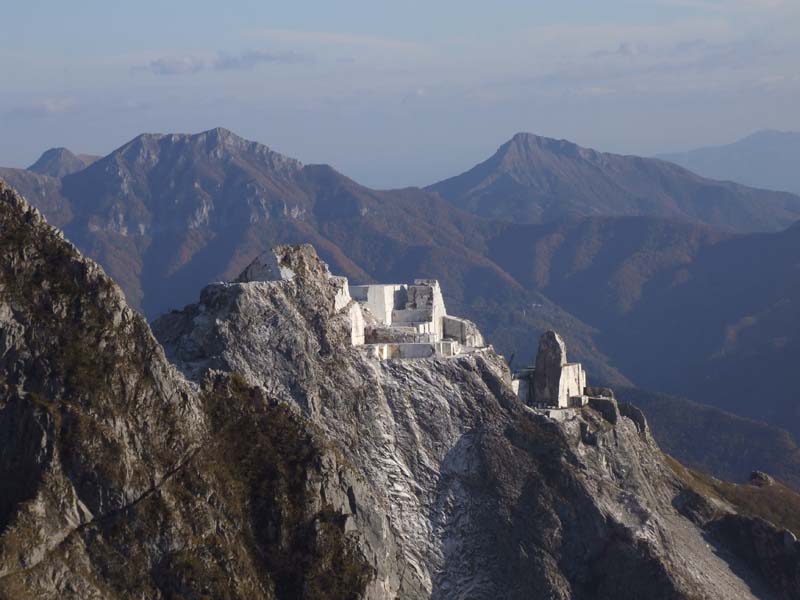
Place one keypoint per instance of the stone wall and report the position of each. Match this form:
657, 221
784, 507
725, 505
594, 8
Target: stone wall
357, 324
342, 297
463, 330
379, 299
427, 294
553, 382
410, 321
412, 315
523, 390
572, 383
551, 357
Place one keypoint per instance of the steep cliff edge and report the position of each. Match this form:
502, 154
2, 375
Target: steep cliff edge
121, 479
483, 497
279, 461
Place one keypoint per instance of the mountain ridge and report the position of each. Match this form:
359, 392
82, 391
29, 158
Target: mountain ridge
168, 214
535, 179
58, 162
766, 159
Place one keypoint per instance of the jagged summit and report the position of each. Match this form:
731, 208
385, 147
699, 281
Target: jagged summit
215, 145
59, 162
282, 263
525, 145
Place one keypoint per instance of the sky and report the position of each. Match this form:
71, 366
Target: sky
397, 93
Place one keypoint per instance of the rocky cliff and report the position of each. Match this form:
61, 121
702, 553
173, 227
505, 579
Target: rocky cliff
261, 455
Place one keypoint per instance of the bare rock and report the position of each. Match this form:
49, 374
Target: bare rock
550, 358
273, 459
761, 479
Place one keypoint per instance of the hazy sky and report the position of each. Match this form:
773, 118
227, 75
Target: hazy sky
397, 93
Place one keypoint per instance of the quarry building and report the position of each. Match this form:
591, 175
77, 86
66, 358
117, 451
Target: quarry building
410, 321
396, 320
554, 383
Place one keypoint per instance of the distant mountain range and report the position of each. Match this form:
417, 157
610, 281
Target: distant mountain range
678, 307
766, 159
166, 214
648, 269
715, 441
534, 179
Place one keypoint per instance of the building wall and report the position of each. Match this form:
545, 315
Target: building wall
572, 383
389, 351
357, 324
379, 299
466, 332
523, 389
342, 297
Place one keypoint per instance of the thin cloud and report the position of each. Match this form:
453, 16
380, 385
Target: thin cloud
624, 49
252, 58
176, 65
43, 108
335, 39
189, 65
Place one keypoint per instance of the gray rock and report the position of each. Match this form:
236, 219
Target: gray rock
550, 358
761, 479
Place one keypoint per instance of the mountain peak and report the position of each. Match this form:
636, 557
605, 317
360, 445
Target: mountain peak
220, 133
771, 135
215, 136
218, 144
525, 145
58, 162
527, 138
537, 179
766, 158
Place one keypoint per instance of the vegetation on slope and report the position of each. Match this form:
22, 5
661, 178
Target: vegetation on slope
714, 441
771, 501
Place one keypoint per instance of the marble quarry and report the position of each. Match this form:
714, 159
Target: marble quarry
554, 383
411, 321
389, 321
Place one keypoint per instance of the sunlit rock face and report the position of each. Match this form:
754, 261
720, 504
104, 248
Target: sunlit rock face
266, 455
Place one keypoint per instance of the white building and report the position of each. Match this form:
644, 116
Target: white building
389, 320
411, 321
553, 383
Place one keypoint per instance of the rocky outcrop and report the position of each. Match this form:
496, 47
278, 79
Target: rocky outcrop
550, 358
774, 553
122, 479
282, 461
463, 474
82, 381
